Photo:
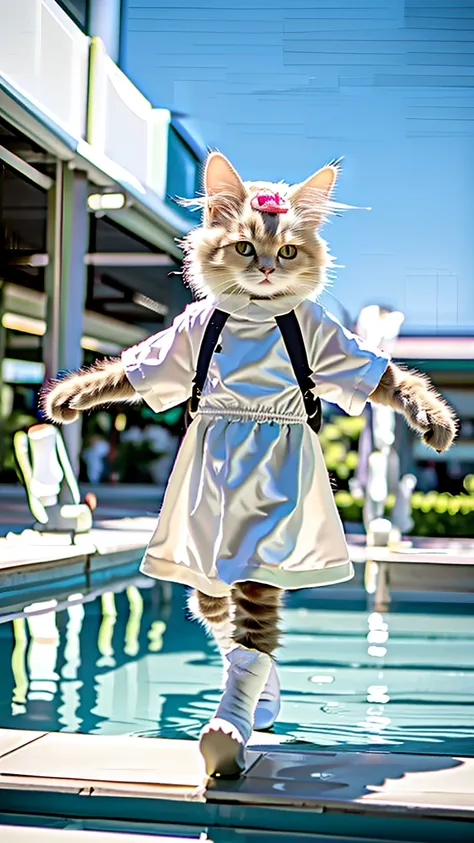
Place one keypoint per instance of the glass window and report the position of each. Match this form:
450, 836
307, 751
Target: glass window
183, 168
78, 10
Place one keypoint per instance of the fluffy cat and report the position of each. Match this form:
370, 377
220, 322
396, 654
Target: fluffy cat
258, 248
213, 265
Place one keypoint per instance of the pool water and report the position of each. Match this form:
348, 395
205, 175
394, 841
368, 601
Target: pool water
133, 663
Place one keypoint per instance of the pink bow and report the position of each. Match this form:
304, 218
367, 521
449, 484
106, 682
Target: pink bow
270, 203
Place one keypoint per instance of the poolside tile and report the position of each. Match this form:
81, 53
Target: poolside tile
90, 787
438, 783
461, 804
18, 834
452, 776
13, 739
107, 539
94, 758
15, 555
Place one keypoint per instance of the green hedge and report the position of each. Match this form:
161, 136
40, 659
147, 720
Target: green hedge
434, 514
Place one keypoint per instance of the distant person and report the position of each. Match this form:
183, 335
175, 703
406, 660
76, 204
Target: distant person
95, 458
165, 444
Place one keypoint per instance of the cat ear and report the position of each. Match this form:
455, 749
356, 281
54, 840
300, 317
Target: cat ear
323, 181
219, 176
224, 188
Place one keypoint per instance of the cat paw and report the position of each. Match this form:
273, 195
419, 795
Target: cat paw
223, 749
56, 402
440, 436
434, 419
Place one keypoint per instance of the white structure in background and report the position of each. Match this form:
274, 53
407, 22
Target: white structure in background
46, 470
380, 475
45, 57
110, 151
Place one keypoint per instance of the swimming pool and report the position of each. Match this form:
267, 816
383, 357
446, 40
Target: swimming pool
133, 663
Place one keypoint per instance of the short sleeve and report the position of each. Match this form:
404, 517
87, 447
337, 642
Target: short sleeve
162, 367
346, 369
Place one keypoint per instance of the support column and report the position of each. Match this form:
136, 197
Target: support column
65, 282
105, 21
3, 333
52, 276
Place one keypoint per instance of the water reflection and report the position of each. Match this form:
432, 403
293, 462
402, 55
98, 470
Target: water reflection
106, 631
70, 685
42, 657
376, 722
132, 630
130, 662
79, 666
18, 663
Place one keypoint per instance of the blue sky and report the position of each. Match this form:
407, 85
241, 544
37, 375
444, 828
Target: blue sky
282, 86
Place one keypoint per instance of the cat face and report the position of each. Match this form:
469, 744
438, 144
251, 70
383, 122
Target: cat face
259, 238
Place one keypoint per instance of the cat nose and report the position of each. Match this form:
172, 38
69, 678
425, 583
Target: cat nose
267, 270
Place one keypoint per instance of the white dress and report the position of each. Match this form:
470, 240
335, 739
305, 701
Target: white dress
249, 495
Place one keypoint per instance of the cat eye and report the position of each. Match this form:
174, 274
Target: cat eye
244, 248
288, 252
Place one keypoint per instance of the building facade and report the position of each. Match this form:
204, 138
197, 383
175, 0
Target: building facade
88, 256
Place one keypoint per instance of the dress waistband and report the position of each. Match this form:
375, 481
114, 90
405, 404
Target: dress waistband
252, 415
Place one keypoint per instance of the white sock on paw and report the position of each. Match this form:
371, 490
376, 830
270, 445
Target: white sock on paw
224, 739
268, 706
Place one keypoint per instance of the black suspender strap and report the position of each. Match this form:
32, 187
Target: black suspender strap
294, 343
208, 346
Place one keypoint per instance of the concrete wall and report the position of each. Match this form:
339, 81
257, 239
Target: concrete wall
281, 86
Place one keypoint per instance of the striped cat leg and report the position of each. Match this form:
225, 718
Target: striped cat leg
257, 616
257, 610
216, 614
224, 739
